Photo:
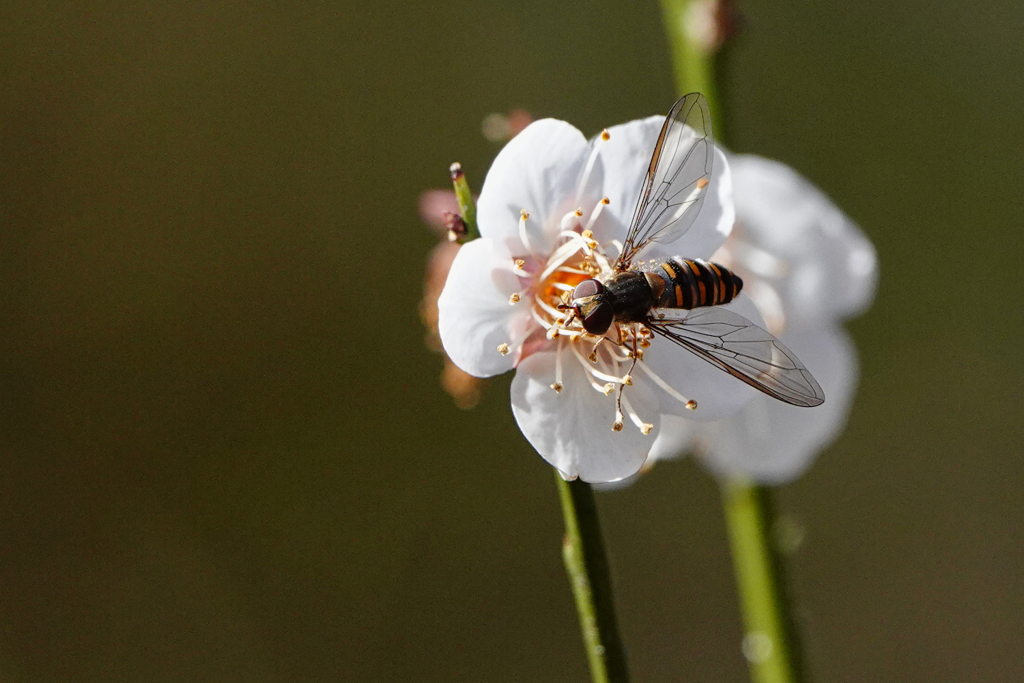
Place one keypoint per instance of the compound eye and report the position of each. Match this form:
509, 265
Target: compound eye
599, 318
587, 288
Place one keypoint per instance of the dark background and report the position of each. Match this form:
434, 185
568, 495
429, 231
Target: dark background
225, 453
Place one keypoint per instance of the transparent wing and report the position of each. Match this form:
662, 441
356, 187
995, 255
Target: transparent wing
673, 190
732, 343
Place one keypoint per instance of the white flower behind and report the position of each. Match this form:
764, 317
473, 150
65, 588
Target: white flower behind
808, 267
552, 212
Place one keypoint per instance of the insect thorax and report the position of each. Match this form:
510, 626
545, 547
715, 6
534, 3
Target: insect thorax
631, 295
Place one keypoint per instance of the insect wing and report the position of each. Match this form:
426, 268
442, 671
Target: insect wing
680, 169
741, 348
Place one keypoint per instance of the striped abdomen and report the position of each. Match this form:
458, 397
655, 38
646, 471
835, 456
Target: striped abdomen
693, 283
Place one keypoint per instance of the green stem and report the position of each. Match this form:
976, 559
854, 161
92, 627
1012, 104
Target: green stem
589, 575
769, 643
692, 60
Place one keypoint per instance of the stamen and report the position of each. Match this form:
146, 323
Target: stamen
562, 254
685, 204
668, 389
585, 178
514, 299
702, 183
519, 263
568, 233
573, 335
608, 389
570, 222
503, 349
549, 309
691, 405
594, 371
522, 230
605, 135
593, 216
542, 321
645, 427
557, 386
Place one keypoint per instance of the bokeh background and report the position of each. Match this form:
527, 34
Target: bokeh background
225, 454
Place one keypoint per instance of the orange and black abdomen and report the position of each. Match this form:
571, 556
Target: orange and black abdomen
694, 283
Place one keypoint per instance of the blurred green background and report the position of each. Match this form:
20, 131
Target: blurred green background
225, 452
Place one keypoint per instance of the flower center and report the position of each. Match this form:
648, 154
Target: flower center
609, 359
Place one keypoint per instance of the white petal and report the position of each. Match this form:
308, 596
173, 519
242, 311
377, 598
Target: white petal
830, 266
717, 393
625, 158
537, 171
571, 429
774, 443
474, 315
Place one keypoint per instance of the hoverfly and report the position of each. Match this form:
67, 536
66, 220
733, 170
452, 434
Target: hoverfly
681, 299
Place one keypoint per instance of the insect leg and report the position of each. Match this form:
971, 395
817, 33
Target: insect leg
627, 380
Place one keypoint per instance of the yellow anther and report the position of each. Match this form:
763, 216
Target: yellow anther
608, 389
627, 380
519, 263
646, 428
691, 405
514, 299
644, 343
605, 135
702, 183
503, 349
588, 234
606, 201
593, 356
578, 212
617, 426
552, 332
557, 386
524, 213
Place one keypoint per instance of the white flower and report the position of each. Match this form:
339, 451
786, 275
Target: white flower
808, 267
551, 213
